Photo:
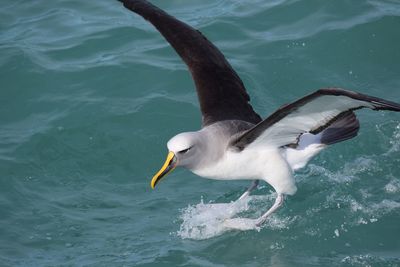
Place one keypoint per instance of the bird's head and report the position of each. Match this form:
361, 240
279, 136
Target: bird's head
183, 151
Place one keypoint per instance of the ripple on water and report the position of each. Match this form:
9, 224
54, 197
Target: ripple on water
84, 89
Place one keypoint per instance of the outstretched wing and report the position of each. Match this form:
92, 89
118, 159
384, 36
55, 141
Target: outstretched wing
221, 93
310, 114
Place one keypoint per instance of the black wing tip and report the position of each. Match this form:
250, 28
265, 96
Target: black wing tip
378, 103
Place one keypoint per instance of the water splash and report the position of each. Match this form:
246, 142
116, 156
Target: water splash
394, 141
203, 221
393, 186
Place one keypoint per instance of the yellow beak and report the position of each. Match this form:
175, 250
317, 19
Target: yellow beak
169, 165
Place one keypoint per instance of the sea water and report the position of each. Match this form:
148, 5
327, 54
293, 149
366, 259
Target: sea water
90, 93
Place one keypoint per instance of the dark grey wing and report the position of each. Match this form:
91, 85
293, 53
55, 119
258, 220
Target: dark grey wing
221, 93
310, 114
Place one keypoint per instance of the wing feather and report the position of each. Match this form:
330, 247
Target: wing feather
221, 92
312, 113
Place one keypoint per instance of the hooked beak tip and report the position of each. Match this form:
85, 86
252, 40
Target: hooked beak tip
169, 165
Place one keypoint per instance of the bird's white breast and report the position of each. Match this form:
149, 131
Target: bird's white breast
256, 163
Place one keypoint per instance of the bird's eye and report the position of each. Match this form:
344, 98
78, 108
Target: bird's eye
184, 151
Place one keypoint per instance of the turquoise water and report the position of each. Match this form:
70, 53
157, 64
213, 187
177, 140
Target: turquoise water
90, 94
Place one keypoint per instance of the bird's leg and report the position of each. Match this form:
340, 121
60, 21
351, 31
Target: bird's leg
253, 186
248, 224
278, 202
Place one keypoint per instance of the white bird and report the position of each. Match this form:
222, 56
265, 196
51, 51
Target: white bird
234, 142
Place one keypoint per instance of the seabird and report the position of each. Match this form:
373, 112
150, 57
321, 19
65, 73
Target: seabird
234, 141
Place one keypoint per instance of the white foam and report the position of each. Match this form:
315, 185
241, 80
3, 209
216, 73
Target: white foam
359, 260
203, 221
393, 186
395, 141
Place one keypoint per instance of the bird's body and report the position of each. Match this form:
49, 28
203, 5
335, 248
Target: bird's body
224, 162
234, 142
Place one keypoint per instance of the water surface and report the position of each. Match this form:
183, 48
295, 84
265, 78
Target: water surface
90, 94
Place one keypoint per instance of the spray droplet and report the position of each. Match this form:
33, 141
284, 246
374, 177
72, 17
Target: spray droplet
336, 232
